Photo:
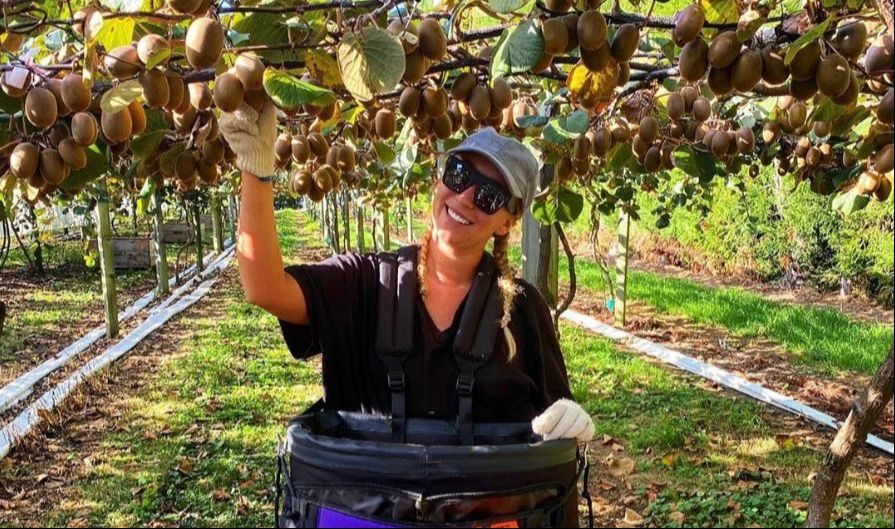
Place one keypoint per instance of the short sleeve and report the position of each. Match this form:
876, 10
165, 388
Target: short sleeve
340, 295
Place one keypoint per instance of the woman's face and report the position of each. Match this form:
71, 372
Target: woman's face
456, 218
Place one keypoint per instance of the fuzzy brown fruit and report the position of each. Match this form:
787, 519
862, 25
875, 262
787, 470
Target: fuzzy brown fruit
851, 39
556, 36
774, 70
884, 161
138, 117
40, 107
176, 90
885, 112
384, 123
596, 60
625, 42
676, 106
51, 167
720, 81
153, 50
409, 102
228, 92
415, 66
75, 95
185, 166
746, 71
55, 86
804, 64
200, 96
432, 40
501, 94
649, 129
23, 160
116, 127
688, 24
204, 42
462, 87
301, 149
694, 60
250, 70
833, 75
122, 62
480, 102
724, 50
435, 101
156, 91
591, 30
72, 154
213, 151
184, 7
84, 129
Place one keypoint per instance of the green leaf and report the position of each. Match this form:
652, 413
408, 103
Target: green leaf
622, 157
116, 32
567, 128
720, 11
147, 142
96, 166
850, 202
562, 206
508, 6
694, 163
517, 51
533, 121
158, 57
288, 91
371, 62
119, 97
385, 152
807, 38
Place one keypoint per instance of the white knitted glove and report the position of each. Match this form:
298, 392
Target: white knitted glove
564, 419
251, 135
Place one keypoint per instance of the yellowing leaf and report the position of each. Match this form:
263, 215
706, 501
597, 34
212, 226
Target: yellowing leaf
119, 97
720, 11
323, 68
593, 89
632, 518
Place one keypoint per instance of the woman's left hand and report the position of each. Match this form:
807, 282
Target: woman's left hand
564, 419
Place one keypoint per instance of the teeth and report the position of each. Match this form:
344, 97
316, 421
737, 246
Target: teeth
454, 215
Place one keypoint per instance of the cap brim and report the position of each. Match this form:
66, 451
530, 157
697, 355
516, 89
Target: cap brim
504, 170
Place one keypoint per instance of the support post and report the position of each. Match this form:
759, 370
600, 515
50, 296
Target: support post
158, 240
408, 213
540, 258
385, 241
621, 269
346, 220
217, 228
359, 234
106, 260
197, 214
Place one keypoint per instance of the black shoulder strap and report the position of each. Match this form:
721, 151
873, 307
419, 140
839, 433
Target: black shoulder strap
475, 340
394, 331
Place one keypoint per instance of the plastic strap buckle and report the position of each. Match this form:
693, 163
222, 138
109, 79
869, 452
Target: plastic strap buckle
396, 381
465, 383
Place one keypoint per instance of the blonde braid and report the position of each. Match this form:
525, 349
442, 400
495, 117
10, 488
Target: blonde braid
506, 281
423, 260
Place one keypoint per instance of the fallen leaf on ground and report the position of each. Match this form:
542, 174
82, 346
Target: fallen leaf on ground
798, 505
632, 518
621, 467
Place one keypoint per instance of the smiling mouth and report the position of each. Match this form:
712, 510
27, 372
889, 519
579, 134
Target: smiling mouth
456, 217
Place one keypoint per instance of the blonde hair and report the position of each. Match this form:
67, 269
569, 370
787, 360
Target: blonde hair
506, 281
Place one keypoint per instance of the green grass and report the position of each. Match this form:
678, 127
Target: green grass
209, 425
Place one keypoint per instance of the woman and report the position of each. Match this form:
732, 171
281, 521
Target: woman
330, 307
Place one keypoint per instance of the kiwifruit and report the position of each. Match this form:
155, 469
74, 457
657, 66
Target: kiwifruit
563, 169
851, 38
176, 90
204, 42
559, 6
602, 141
323, 178
884, 191
315, 194
624, 74
122, 62
639, 145
724, 50
384, 123
581, 167
138, 117
185, 105
676, 106
55, 86
332, 157
850, 96
745, 140
75, 95
652, 160
415, 66
694, 60
184, 7
591, 30
257, 98
692, 129
885, 112
116, 126
153, 50
318, 144
770, 132
423, 126
544, 63
501, 94
435, 101
804, 64
620, 133
250, 70
720, 81
833, 75
884, 159
746, 71
821, 129
667, 152
200, 95
207, 171
649, 129
12, 42
462, 87
596, 60
677, 129
185, 166
625, 42
84, 128
802, 147
23, 160
409, 102
213, 151
868, 183
687, 24
720, 143
156, 91
282, 146
878, 59
15, 91
797, 115
432, 41
302, 182
803, 90
301, 149
689, 93
72, 154
407, 33
51, 166
582, 148
40, 107
556, 36
773, 68
228, 92
347, 158
57, 133
480, 102
571, 23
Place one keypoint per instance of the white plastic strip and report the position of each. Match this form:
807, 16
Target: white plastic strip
710, 372
13, 432
21, 387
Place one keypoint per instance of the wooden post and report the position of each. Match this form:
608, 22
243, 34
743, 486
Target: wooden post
385, 243
158, 240
197, 214
540, 258
217, 228
336, 241
346, 221
621, 269
408, 209
359, 225
106, 261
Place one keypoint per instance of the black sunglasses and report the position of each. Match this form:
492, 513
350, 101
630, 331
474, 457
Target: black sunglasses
490, 196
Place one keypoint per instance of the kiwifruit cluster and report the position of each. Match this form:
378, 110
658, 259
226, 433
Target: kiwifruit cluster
422, 44
523, 108
477, 103
654, 152
321, 166
241, 83
430, 111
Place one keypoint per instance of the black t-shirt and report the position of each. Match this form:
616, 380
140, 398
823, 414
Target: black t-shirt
341, 295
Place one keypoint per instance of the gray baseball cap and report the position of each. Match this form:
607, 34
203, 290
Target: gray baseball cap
516, 163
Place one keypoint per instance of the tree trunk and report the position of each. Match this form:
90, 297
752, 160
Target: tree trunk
853, 434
